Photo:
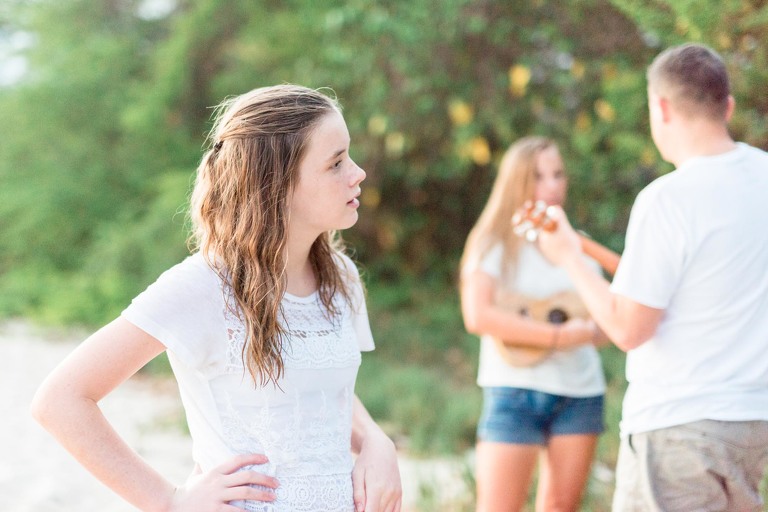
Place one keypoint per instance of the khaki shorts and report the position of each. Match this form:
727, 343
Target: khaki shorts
697, 467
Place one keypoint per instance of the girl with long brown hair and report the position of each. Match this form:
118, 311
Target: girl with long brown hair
547, 408
263, 325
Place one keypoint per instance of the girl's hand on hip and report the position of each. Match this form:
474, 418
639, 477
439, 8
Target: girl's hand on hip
212, 491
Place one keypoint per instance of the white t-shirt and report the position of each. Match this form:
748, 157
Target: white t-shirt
304, 426
573, 373
697, 247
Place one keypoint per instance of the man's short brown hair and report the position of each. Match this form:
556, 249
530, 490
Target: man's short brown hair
693, 77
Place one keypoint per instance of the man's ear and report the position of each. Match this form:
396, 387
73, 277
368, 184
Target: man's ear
665, 107
659, 107
730, 108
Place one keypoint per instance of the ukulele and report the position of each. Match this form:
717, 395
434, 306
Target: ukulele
528, 222
532, 218
555, 309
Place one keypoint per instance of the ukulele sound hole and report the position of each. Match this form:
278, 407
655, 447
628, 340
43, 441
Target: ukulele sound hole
557, 316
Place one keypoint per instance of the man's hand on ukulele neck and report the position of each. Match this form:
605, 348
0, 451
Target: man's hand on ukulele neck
557, 240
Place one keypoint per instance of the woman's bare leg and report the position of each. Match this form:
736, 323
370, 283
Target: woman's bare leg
503, 474
564, 472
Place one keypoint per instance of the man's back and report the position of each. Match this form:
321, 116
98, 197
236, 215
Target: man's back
697, 247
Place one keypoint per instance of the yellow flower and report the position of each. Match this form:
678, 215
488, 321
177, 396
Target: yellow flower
583, 122
648, 156
460, 113
377, 125
394, 144
370, 197
681, 26
724, 41
519, 76
578, 69
480, 151
386, 236
610, 72
604, 110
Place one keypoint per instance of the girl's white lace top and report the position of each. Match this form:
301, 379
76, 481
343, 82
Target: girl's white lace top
304, 425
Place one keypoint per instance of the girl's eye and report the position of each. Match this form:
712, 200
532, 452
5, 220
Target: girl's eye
337, 164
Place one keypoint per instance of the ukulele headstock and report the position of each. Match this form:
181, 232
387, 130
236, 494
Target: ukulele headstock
530, 219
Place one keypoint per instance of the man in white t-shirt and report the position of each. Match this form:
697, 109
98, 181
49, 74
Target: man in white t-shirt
689, 302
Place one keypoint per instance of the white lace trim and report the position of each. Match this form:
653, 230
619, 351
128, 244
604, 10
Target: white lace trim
314, 440
325, 493
305, 431
314, 340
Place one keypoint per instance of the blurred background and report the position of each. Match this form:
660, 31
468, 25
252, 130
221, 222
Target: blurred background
105, 105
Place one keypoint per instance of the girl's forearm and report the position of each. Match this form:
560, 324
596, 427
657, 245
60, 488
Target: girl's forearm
363, 426
81, 428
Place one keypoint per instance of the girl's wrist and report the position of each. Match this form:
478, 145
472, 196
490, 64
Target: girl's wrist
167, 501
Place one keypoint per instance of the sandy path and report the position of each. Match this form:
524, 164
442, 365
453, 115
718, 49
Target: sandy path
36, 474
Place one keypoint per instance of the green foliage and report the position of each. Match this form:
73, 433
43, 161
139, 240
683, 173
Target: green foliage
449, 97
115, 107
421, 376
737, 29
421, 409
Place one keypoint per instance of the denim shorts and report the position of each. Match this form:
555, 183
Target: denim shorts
524, 416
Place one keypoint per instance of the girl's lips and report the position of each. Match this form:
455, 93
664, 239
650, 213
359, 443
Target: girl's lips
354, 203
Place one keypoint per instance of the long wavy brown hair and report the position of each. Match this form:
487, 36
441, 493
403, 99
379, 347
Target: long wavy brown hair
515, 183
240, 212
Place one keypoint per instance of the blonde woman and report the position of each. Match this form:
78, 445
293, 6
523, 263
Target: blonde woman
263, 324
549, 412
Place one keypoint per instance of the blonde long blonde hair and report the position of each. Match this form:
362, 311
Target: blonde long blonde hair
239, 212
515, 183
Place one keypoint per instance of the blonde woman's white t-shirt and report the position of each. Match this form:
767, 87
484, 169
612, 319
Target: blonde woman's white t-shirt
573, 373
304, 425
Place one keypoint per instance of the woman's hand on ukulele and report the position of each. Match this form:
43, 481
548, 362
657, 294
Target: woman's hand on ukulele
212, 491
575, 333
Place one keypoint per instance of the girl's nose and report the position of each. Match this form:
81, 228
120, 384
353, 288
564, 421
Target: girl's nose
358, 175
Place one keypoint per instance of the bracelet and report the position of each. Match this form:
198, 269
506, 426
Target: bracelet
555, 336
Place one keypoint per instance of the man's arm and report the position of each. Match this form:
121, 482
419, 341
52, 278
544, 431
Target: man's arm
627, 323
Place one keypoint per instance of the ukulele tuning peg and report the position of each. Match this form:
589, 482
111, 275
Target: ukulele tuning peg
549, 211
523, 227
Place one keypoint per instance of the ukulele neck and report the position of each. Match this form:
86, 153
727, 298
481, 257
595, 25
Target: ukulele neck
607, 259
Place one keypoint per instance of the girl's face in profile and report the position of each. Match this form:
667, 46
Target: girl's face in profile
326, 195
551, 182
